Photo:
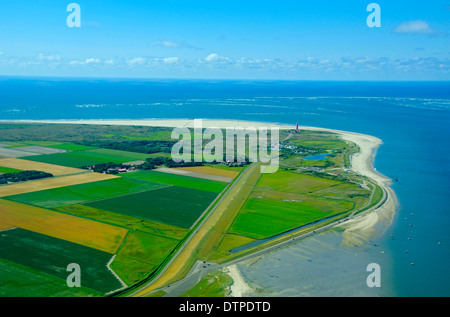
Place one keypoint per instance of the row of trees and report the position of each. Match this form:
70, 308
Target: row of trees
152, 162
23, 176
103, 167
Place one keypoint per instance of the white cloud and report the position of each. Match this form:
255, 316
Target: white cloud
171, 60
136, 61
214, 58
87, 61
43, 57
92, 61
414, 27
166, 43
173, 44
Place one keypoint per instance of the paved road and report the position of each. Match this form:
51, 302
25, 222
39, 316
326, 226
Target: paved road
176, 264
199, 270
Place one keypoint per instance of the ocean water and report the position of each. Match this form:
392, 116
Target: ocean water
412, 119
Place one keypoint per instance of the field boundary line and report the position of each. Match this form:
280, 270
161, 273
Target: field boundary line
108, 265
140, 192
228, 227
110, 223
145, 284
8, 229
218, 197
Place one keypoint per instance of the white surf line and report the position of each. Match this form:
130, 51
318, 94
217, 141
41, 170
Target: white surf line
116, 276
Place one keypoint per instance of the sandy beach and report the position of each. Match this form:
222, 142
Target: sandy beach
239, 288
361, 162
356, 231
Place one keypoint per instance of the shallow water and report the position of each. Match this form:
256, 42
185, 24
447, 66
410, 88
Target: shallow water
412, 119
316, 157
319, 266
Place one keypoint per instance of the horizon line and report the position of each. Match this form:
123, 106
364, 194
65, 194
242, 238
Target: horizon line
219, 79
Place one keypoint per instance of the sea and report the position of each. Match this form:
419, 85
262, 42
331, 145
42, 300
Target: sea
411, 118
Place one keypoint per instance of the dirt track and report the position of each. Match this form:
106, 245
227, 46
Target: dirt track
189, 252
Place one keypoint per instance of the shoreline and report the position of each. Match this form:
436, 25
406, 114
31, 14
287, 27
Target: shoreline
356, 231
239, 288
362, 162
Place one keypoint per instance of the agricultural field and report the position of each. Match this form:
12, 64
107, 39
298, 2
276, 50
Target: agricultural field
182, 171
178, 180
231, 173
141, 254
6, 170
284, 200
23, 281
172, 205
82, 231
79, 159
50, 183
124, 228
25, 164
86, 192
52, 256
39, 149
301, 194
125, 221
128, 224
12, 152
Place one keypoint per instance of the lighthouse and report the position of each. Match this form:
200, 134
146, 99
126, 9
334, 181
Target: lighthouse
296, 128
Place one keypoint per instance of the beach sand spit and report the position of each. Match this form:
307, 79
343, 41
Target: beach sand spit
356, 231
239, 288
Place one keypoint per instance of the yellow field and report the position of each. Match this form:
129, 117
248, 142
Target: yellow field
210, 171
4, 226
78, 230
56, 170
52, 182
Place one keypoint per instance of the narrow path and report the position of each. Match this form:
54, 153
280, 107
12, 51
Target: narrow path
188, 252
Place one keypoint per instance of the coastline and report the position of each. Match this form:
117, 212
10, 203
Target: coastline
362, 162
239, 288
355, 231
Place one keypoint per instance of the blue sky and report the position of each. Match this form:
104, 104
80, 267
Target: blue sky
301, 40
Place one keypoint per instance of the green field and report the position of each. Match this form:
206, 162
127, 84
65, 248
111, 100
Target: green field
69, 195
294, 182
125, 221
21, 281
89, 157
72, 147
178, 180
52, 256
140, 255
158, 209
284, 200
262, 218
5, 170
177, 206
